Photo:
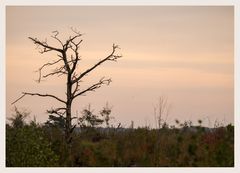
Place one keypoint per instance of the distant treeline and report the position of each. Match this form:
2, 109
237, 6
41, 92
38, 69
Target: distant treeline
43, 145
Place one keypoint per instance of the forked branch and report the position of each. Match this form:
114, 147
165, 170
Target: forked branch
94, 86
111, 57
46, 65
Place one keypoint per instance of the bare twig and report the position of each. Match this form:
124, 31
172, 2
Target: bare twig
56, 38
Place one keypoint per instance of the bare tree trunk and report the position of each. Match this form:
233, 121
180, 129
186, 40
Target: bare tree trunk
68, 124
68, 109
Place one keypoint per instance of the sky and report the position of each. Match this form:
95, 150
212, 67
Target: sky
184, 53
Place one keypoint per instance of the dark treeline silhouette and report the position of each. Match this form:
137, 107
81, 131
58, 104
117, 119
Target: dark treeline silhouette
98, 143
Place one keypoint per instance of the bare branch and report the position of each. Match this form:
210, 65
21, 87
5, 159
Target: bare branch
77, 84
76, 44
76, 88
56, 33
56, 38
71, 39
46, 47
76, 55
110, 57
66, 63
95, 86
44, 65
18, 99
60, 72
75, 30
41, 95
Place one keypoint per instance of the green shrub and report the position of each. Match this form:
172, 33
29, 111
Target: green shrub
27, 147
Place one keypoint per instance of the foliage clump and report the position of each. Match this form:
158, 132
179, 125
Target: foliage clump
26, 144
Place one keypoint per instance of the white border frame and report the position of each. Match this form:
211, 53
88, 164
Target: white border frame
235, 3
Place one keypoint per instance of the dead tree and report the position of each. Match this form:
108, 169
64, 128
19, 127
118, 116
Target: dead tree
66, 64
162, 108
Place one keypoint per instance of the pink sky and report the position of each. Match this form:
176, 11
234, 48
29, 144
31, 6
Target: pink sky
184, 53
